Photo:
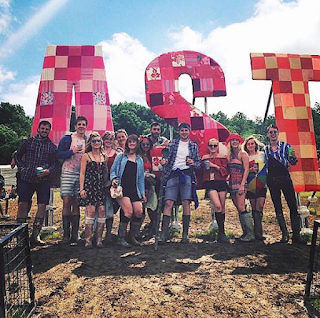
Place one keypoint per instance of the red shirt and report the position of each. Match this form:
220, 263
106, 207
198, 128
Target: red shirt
219, 174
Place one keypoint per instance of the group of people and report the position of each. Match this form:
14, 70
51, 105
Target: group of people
95, 167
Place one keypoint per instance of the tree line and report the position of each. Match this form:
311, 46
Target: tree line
136, 119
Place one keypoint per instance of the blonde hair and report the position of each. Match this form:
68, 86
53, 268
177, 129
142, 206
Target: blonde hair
88, 144
213, 140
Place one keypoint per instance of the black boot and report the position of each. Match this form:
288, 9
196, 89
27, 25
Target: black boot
283, 227
222, 237
185, 227
66, 219
134, 229
122, 234
109, 224
75, 222
165, 229
21, 220
296, 228
257, 220
35, 236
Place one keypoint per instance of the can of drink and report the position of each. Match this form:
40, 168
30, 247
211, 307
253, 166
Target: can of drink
207, 164
187, 157
39, 170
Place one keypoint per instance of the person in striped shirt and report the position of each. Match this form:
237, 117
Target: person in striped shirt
279, 155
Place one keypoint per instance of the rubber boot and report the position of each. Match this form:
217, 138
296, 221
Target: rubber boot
134, 229
121, 235
35, 236
258, 230
283, 227
185, 229
109, 224
21, 220
75, 222
222, 237
296, 228
88, 235
100, 228
165, 229
66, 219
243, 227
246, 218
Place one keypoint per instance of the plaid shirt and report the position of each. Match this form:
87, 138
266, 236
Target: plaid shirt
36, 152
173, 149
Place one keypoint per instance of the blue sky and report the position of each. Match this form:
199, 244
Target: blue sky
134, 32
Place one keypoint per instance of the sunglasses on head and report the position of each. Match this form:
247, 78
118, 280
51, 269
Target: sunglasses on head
95, 140
145, 144
213, 146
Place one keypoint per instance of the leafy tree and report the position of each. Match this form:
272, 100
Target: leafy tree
9, 143
14, 125
136, 119
14, 117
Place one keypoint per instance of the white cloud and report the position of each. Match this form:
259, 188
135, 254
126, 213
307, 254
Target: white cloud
23, 93
5, 16
125, 61
276, 27
5, 75
32, 26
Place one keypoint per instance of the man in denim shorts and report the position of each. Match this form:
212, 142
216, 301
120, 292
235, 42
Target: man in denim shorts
178, 175
70, 149
36, 160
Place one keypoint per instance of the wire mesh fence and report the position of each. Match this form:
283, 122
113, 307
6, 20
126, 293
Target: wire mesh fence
16, 286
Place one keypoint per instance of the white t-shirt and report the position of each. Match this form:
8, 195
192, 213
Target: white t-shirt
183, 152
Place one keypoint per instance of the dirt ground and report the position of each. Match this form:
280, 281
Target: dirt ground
201, 279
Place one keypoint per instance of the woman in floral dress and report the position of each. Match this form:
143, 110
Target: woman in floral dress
93, 179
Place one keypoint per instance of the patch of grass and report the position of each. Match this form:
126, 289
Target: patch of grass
308, 237
50, 235
208, 234
315, 303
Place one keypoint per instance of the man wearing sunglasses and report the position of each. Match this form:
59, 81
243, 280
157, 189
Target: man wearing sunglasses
179, 177
70, 149
279, 155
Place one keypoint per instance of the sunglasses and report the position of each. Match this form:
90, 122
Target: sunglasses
145, 144
273, 132
95, 141
213, 146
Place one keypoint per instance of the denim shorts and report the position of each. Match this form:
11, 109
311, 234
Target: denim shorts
27, 189
174, 187
69, 185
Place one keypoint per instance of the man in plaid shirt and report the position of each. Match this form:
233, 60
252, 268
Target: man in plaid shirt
36, 160
179, 177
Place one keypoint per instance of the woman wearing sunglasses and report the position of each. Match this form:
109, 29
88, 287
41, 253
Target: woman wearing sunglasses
238, 164
215, 173
93, 179
128, 171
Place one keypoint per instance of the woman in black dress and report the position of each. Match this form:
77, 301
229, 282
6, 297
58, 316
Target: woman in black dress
128, 171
